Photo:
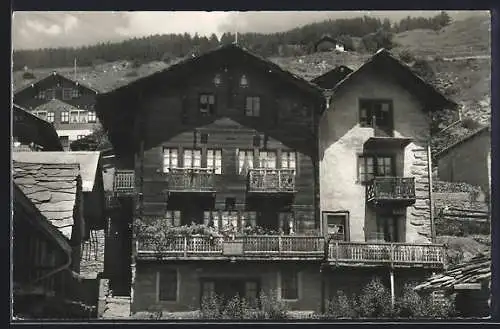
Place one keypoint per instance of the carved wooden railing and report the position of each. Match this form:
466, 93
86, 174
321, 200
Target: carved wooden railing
262, 246
191, 180
386, 253
124, 182
271, 180
387, 189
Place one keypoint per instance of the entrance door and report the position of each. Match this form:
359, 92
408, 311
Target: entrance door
387, 227
335, 226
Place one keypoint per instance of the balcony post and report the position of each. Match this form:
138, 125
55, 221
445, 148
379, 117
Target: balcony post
279, 244
393, 297
336, 251
185, 246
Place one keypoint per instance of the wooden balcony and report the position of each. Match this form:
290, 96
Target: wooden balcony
271, 247
191, 180
124, 183
391, 190
271, 180
386, 254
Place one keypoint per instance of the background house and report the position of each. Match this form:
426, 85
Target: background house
65, 103
468, 160
32, 133
328, 43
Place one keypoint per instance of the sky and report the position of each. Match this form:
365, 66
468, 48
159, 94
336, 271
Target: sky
44, 29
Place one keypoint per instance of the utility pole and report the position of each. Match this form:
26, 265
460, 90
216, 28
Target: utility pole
74, 70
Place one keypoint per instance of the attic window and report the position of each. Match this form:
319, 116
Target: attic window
243, 81
207, 104
256, 141
204, 138
217, 80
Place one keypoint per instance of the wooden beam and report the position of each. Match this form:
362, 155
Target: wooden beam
467, 286
393, 296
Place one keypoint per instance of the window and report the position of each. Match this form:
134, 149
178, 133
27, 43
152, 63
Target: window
256, 141
167, 285
251, 292
78, 117
375, 113
289, 285
64, 141
65, 117
170, 159
50, 94
267, 159
204, 138
288, 160
80, 136
50, 116
92, 117
67, 93
41, 94
207, 104
230, 204
387, 228
75, 93
208, 289
245, 161
192, 158
371, 166
252, 106
214, 160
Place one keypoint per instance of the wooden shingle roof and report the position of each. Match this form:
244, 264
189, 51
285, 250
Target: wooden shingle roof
474, 271
55, 104
52, 188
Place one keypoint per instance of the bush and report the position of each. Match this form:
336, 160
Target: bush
28, 76
341, 306
271, 308
410, 304
375, 301
211, 308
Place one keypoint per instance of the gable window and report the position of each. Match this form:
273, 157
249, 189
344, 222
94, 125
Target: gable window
207, 104
192, 158
170, 159
41, 94
376, 114
78, 117
75, 93
214, 160
245, 161
92, 117
252, 106
65, 117
167, 282
50, 116
267, 159
288, 160
67, 93
50, 94
289, 285
370, 166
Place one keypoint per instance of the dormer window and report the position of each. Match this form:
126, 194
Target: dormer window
207, 104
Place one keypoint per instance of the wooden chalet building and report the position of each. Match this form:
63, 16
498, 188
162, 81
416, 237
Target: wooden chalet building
68, 105
226, 139
375, 181
30, 133
335, 178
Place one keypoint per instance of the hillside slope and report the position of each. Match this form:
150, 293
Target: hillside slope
467, 37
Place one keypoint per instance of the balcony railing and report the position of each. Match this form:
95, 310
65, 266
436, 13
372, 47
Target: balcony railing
395, 254
271, 180
124, 182
191, 180
391, 189
263, 246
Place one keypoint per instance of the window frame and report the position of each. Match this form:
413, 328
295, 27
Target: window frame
217, 170
251, 112
66, 94
193, 150
267, 152
52, 116
158, 285
252, 162
39, 113
288, 152
91, 117
211, 106
63, 115
372, 102
375, 158
281, 285
177, 165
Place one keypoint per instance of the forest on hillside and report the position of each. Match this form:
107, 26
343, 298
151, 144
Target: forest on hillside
371, 33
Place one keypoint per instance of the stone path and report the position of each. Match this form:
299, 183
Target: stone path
117, 308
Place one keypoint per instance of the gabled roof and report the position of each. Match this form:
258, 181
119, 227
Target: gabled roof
404, 74
474, 271
52, 188
332, 77
88, 163
48, 76
461, 141
33, 215
234, 50
30, 127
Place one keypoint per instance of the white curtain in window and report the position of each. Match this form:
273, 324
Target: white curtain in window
188, 158
170, 159
245, 160
214, 160
267, 160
